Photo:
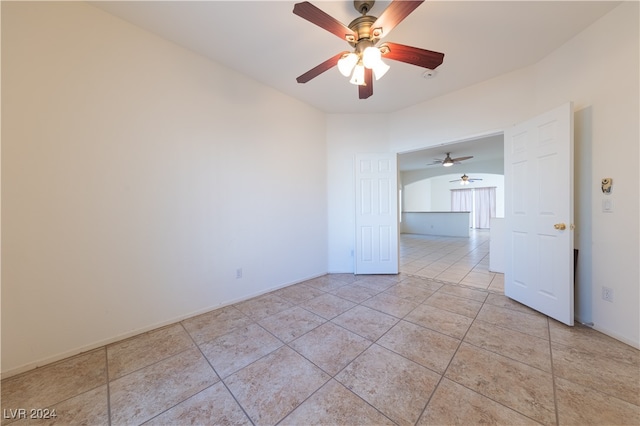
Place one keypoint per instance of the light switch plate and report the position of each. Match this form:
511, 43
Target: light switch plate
607, 205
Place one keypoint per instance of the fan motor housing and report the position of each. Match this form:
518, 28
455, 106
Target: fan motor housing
362, 26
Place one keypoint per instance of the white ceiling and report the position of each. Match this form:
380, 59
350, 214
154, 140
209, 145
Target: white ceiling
483, 150
267, 42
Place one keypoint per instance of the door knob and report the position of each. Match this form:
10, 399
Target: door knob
560, 226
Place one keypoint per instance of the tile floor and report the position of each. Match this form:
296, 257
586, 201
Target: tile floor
462, 261
352, 350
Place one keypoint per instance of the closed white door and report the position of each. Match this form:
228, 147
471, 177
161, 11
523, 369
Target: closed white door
539, 213
376, 214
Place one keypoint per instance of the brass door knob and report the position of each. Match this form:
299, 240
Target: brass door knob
560, 226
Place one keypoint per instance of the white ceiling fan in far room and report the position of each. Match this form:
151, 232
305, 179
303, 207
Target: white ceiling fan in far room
465, 180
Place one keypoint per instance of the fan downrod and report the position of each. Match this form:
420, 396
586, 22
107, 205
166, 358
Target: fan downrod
363, 6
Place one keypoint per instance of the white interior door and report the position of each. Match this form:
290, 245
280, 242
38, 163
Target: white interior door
539, 213
376, 214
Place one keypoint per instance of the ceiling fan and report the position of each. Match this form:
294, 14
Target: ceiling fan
465, 180
363, 33
448, 161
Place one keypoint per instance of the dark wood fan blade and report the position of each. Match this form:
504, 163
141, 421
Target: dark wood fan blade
394, 14
413, 55
316, 16
316, 71
367, 90
461, 158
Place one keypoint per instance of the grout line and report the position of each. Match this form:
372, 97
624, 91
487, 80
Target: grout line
216, 373
106, 361
553, 375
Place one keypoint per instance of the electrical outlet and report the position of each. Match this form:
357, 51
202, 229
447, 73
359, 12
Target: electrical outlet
239, 273
607, 294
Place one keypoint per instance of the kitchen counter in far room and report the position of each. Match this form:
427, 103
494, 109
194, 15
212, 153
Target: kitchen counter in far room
449, 224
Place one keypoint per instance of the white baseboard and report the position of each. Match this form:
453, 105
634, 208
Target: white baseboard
613, 334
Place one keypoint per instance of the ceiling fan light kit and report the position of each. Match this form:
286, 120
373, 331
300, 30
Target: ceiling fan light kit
358, 75
465, 180
363, 33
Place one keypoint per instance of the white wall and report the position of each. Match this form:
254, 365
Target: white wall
416, 196
597, 70
346, 136
608, 111
136, 178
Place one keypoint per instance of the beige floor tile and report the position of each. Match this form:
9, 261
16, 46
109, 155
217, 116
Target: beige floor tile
334, 404
453, 404
475, 285
330, 347
519, 346
498, 278
411, 267
463, 265
427, 272
233, 351
499, 374
213, 406
145, 349
206, 327
452, 324
426, 347
518, 386
535, 325
399, 388
88, 408
459, 305
142, 395
606, 374
477, 279
355, 293
272, 387
326, 283
467, 293
421, 263
390, 305
345, 278
291, 323
425, 283
504, 302
328, 306
51, 384
587, 339
436, 267
449, 277
298, 293
578, 405
263, 306
412, 292
365, 322
496, 286
443, 264
378, 282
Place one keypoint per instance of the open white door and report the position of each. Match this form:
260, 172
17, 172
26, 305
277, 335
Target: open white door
539, 213
376, 214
